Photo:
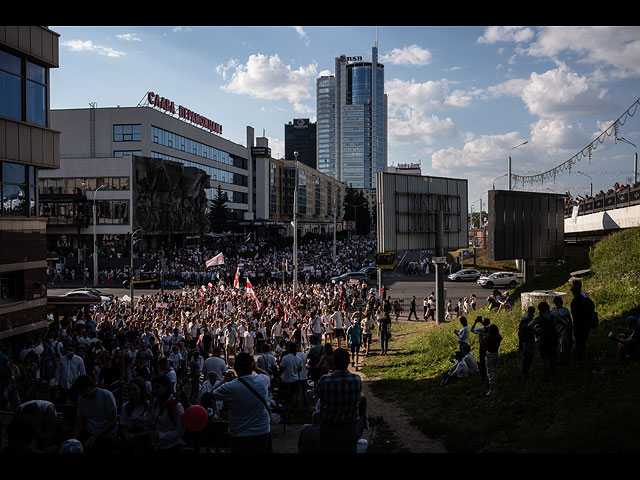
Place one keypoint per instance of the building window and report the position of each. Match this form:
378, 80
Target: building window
127, 133
17, 188
17, 76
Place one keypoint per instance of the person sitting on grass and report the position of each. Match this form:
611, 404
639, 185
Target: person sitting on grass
628, 341
457, 371
493, 300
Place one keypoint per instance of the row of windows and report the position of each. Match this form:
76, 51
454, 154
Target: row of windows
172, 140
17, 189
216, 174
72, 185
108, 212
23, 89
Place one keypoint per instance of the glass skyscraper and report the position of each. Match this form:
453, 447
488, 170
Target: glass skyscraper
352, 121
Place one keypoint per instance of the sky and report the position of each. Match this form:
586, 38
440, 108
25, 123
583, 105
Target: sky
460, 98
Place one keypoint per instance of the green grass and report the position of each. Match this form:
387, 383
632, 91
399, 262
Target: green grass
591, 407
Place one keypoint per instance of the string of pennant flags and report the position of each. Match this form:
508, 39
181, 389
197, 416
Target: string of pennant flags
586, 152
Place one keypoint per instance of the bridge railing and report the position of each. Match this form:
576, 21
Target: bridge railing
625, 197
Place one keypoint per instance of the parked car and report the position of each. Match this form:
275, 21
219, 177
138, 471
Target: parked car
499, 279
345, 277
468, 274
89, 294
371, 272
94, 291
145, 280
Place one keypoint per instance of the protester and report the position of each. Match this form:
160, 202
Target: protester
246, 396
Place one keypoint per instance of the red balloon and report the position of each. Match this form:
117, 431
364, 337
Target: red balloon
195, 418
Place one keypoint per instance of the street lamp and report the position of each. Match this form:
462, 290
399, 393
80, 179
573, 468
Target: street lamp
494, 180
133, 234
295, 228
635, 158
95, 238
509, 172
590, 184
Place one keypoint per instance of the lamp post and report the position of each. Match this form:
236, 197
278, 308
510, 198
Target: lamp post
335, 221
635, 158
590, 184
509, 167
494, 180
295, 228
133, 234
95, 238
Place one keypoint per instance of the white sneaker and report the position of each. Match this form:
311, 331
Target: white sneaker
490, 392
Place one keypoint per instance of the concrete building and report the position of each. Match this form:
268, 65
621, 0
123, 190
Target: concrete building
28, 145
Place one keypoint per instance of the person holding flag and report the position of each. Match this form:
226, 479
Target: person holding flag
217, 260
252, 294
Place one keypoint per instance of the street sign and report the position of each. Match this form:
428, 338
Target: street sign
440, 260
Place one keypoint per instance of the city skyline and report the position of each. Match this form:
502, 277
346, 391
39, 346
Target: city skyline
460, 98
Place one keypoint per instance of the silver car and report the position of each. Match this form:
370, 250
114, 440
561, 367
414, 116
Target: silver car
499, 279
469, 274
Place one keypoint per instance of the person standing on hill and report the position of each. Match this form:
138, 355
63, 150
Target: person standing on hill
583, 313
492, 342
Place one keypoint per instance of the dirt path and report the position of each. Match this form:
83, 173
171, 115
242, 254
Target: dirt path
285, 439
406, 434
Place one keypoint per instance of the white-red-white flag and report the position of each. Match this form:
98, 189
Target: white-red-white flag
217, 260
253, 294
236, 280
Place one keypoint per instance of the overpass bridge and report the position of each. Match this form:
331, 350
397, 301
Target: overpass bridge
595, 218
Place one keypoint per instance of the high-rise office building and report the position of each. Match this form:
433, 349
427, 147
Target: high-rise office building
352, 121
300, 136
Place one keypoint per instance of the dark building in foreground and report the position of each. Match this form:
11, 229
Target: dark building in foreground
27, 145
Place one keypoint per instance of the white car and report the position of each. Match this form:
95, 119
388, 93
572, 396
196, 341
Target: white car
499, 279
465, 274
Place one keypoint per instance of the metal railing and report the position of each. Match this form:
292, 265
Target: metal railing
623, 198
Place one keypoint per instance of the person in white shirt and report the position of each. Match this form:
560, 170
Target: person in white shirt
70, 367
215, 364
290, 368
338, 326
249, 340
457, 371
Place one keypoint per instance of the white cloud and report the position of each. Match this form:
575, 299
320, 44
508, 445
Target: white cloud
269, 78
617, 47
410, 126
481, 154
422, 97
562, 93
411, 55
129, 37
303, 35
88, 46
506, 34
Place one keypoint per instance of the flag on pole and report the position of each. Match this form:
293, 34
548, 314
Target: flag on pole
236, 280
217, 260
248, 238
253, 295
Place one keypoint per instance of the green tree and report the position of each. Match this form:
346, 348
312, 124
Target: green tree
219, 213
356, 208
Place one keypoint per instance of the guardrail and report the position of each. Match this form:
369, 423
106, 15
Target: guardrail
625, 197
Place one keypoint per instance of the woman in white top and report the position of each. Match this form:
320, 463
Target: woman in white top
135, 418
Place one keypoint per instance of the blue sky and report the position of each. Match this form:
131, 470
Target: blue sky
460, 97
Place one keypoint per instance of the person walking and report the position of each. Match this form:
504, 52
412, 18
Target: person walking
413, 309
384, 332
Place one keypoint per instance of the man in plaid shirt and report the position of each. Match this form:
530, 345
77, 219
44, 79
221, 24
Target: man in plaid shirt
339, 396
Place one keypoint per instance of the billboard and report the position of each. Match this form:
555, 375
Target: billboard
525, 225
407, 209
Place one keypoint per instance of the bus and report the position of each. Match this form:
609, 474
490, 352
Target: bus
386, 260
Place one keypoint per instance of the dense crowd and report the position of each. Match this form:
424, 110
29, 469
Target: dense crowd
132, 373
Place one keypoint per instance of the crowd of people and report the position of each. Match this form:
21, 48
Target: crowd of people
128, 375
617, 187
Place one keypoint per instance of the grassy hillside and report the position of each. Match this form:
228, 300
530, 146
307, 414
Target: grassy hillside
588, 407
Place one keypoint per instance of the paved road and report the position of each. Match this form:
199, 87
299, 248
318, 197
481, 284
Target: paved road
398, 284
